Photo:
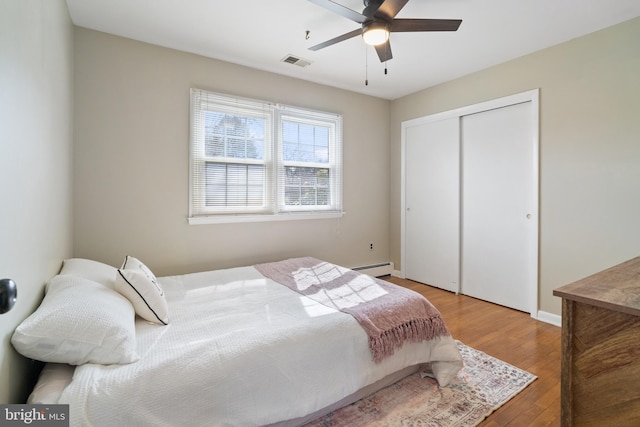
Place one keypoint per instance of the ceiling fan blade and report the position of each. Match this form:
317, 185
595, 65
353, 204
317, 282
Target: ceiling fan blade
337, 39
407, 25
384, 51
390, 8
341, 10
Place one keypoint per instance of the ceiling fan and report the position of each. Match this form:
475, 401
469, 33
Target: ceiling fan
378, 21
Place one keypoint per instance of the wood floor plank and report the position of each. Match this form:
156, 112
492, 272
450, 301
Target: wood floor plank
512, 336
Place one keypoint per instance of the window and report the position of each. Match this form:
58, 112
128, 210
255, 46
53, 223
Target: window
257, 161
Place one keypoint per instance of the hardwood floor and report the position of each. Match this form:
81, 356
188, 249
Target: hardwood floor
511, 336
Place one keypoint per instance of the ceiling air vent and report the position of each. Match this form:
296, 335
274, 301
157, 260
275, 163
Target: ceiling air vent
290, 59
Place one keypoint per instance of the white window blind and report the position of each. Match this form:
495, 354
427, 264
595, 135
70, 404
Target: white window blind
253, 159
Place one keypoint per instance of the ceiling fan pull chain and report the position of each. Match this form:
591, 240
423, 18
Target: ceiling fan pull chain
366, 66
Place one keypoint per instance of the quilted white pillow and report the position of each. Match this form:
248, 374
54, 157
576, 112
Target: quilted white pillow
89, 269
136, 282
79, 321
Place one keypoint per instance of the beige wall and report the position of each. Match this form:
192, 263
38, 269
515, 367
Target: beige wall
589, 148
131, 163
36, 61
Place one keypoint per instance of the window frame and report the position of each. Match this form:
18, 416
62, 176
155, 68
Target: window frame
274, 207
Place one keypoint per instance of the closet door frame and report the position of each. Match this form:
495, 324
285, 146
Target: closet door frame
531, 96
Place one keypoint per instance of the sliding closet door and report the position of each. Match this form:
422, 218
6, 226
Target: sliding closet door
499, 206
432, 180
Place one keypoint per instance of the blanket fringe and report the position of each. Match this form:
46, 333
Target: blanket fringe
417, 330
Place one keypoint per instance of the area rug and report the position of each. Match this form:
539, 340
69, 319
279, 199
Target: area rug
482, 386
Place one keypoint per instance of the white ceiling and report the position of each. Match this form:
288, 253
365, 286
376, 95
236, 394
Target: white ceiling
260, 33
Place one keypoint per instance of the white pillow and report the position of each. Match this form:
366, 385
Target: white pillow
89, 269
79, 321
136, 282
53, 379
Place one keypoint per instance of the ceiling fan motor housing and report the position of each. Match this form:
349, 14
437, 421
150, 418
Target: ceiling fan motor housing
375, 32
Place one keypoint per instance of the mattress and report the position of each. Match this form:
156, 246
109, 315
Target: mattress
240, 350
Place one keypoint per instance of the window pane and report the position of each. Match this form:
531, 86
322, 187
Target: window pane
255, 149
323, 196
321, 142
305, 134
306, 186
304, 142
234, 185
321, 136
290, 132
289, 151
292, 196
234, 136
255, 138
308, 177
308, 197
214, 143
323, 178
292, 176
235, 147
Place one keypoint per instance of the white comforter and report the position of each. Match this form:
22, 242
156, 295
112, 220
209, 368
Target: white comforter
240, 350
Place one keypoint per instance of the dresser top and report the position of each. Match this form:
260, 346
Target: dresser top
616, 288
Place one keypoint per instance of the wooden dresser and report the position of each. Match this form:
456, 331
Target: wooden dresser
601, 348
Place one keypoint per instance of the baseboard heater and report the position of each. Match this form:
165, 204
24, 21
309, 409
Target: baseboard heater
376, 270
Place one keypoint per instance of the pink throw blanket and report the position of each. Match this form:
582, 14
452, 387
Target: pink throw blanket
391, 315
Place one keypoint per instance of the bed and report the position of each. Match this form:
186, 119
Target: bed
271, 344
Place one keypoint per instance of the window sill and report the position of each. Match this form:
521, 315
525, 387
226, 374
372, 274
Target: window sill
229, 219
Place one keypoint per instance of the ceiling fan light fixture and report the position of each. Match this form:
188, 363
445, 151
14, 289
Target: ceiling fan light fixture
376, 33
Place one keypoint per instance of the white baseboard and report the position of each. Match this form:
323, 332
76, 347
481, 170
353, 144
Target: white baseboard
376, 270
398, 273
550, 318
